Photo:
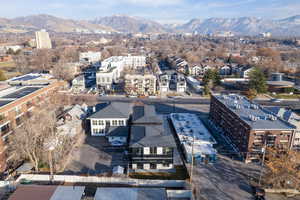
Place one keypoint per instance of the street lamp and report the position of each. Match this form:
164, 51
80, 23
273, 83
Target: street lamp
192, 162
50, 146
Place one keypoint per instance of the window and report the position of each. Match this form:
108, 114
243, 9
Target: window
101, 122
146, 150
159, 150
17, 110
152, 150
94, 122
108, 79
5, 129
152, 166
19, 120
114, 122
140, 166
121, 122
166, 164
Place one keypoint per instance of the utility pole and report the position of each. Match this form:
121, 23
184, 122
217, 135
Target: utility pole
263, 159
51, 166
192, 163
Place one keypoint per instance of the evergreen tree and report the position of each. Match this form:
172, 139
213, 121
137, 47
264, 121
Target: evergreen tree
258, 81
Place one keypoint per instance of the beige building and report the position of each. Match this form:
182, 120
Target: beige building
43, 40
140, 84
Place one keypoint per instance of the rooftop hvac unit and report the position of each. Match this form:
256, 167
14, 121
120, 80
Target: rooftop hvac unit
237, 106
272, 117
254, 106
253, 118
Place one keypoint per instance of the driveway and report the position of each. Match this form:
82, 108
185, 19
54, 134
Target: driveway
94, 157
226, 179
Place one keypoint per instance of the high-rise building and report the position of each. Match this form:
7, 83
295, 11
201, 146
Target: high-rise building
43, 40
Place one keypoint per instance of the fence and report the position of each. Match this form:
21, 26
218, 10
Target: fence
106, 180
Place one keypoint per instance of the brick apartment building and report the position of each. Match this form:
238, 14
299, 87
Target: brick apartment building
17, 102
140, 84
249, 126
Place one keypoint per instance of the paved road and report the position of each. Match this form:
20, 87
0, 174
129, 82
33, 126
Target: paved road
157, 100
224, 180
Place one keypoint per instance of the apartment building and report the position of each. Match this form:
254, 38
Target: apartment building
151, 147
250, 127
16, 103
111, 120
78, 84
140, 84
291, 117
90, 57
110, 72
134, 61
164, 83
43, 40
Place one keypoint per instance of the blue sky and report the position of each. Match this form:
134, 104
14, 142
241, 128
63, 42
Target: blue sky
165, 11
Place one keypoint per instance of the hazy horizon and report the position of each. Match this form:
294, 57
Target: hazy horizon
163, 11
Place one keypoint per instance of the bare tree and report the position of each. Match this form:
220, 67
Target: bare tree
28, 141
282, 169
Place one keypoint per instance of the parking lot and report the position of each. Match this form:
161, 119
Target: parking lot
95, 156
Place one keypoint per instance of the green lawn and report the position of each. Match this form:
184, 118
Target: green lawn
7, 64
286, 96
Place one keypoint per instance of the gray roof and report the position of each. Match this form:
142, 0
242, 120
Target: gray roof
131, 194
244, 108
120, 131
112, 110
145, 114
150, 136
287, 115
68, 193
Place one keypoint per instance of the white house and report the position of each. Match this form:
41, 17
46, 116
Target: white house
245, 71
164, 83
181, 83
195, 70
225, 70
90, 57
111, 120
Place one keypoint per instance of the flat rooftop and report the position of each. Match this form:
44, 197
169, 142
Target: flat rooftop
131, 194
11, 94
190, 129
257, 117
31, 79
21, 92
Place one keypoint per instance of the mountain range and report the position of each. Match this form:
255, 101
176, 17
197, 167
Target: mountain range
127, 24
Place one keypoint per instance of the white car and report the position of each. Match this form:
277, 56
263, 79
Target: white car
117, 143
275, 100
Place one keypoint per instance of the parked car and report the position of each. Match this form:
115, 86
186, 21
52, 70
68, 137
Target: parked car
117, 143
275, 100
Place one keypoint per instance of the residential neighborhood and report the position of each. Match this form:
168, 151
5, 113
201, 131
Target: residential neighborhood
134, 108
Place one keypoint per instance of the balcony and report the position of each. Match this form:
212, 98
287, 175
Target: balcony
152, 156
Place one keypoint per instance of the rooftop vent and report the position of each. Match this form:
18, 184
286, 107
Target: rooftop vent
253, 118
254, 106
237, 106
272, 117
